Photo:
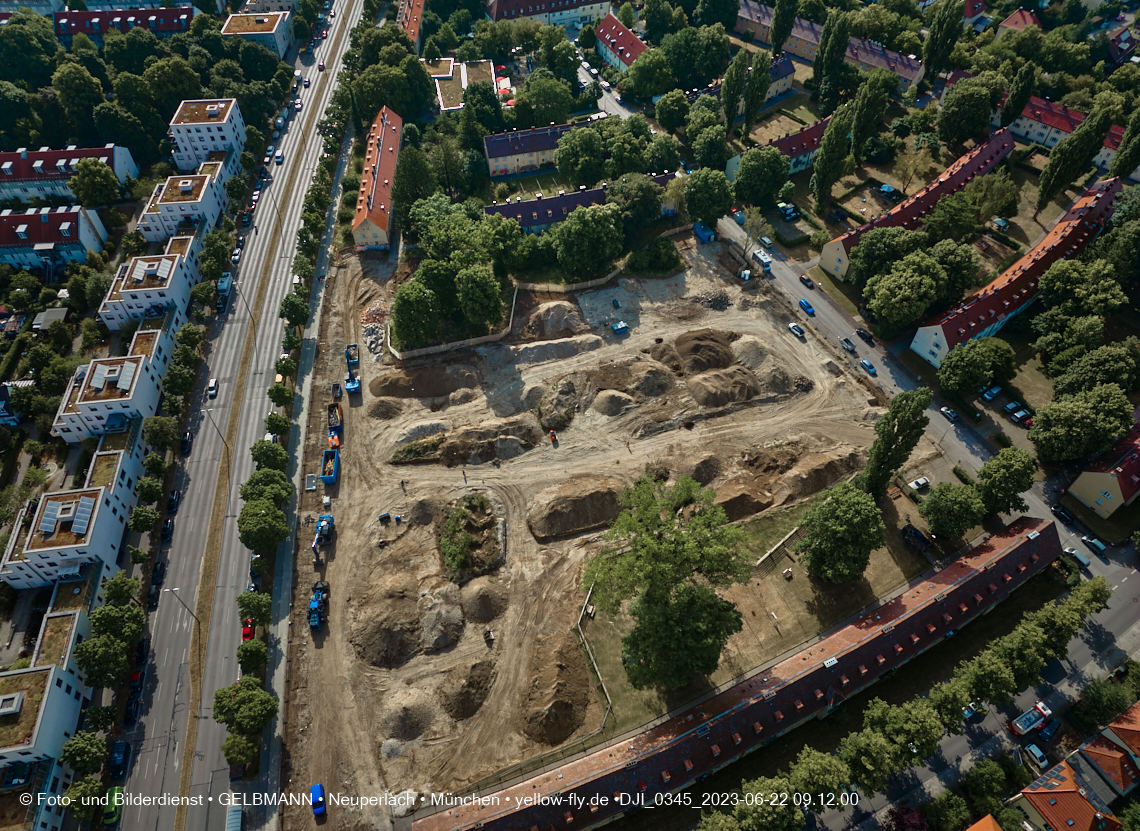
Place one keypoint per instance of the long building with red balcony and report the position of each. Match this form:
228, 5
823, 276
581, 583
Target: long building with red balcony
988, 309
835, 258
597, 788
40, 174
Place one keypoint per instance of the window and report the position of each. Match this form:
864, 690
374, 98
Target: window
59, 682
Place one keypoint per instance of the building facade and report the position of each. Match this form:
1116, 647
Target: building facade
161, 22
182, 202
537, 215
521, 151
372, 220
987, 310
200, 129
1062, 798
49, 238
618, 46
1112, 481
44, 173
554, 12
146, 287
273, 30
800, 147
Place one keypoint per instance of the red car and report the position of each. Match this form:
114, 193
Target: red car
324, 33
247, 629
321, 66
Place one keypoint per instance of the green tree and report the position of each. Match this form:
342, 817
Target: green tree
412, 181
581, 156
1003, 478
651, 74
672, 110
842, 529
949, 812
914, 723
94, 184
783, 21
262, 526
149, 490
872, 758
708, 196
953, 218
415, 316
975, 364
480, 296
759, 80
733, 85
160, 432
245, 707
102, 660
1114, 363
170, 82
83, 796
257, 606
268, 483
763, 171
279, 394
639, 199
123, 622
945, 30
252, 655
995, 194
625, 15
819, 773
709, 148
277, 424
85, 753
764, 813
154, 465
1079, 424
831, 160
121, 590
948, 700
79, 93
952, 509
1127, 157
294, 309
902, 295
986, 785
703, 114
880, 248
1020, 91
178, 380
589, 239
868, 110
268, 454
238, 749
1079, 289
830, 55
961, 266
1073, 155
547, 98
101, 718
142, 518
896, 435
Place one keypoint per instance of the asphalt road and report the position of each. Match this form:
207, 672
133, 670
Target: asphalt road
268, 251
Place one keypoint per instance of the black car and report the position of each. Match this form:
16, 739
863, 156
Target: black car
158, 576
142, 651
241, 241
1062, 514
187, 442
254, 581
168, 530
120, 759
134, 704
152, 597
865, 335
246, 220
173, 501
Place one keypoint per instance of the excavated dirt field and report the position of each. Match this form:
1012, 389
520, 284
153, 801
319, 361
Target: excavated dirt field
407, 688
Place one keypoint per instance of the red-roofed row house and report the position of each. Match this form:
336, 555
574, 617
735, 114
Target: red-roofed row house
807, 685
409, 17
162, 23
372, 222
987, 310
37, 174
618, 46
800, 147
1064, 799
1114, 479
49, 237
836, 255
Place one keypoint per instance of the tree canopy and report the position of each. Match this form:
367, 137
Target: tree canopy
842, 529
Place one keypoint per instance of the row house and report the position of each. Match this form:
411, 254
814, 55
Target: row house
106, 395
409, 17
781, 73
708, 736
803, 43
201, 129
372, 219
49, 238
211, 6
40, 174
272, 30
984, 313
800, 147
540, 214
161, 22
553, 12
618, 46
522, 151
836, 255
1113, 480
182, 202
262, 6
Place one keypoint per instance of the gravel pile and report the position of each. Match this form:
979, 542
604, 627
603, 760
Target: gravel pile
718, 300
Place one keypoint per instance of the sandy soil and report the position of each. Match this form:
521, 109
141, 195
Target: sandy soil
402, 690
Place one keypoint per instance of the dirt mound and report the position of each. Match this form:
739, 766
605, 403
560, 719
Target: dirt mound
703, 350
423, 512
492, 440
556, 409
555, 320
819, 470
554, 350
718, 387
665, 354
750, 351
425, 382
483, 600
557, 698
650, 378
465, 689
393, 635
742, 498
775, 381
579, 504
463, 396
385, 409
408, 715
706, 469
441, 618
422, 431
612, 402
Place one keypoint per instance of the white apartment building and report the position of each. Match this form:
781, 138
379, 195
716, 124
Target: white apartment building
202, 127
49, 237
259, 6
273, 30
146, 287
38, 174
182, 202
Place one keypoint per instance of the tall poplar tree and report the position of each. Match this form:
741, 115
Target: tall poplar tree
735, 79
759, 80
1020, 92
945, 29
783, 21
832, 156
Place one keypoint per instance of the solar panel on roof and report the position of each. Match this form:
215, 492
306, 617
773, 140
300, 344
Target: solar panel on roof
127, 376
83, 515
99, 378
47, 524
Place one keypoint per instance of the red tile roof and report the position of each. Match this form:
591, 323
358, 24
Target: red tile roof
1066, 120
374, 200
760, 708
70, 22
1063, 802
409, 18
1017, 285
1124, 462
619, 40
986, 823
1121, 44
1114, 764
39, 225
24, 162
974, 8
798, 144
978, 162
1019, 20
1126, 728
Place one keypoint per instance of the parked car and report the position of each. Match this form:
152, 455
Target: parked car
950, 415
796, 330
247, 629
158, 575
991, 393
142, 651
324, 33
1050, 729
738, 215
120, 759
1061, 514
1034, 753
297, 105
585, 66
212, 388
972, 709
766, 242
807, 281
235, 257
1094, 543
241, 239
168, 530
306, 83
113, 810
321, 66
1012, 407
280, 157
1023, 418
317, 797
920, 483
138, 678
806, 306
173, 501
865, 335
870, 367
604, 84
152, 597
847, 344
131, 716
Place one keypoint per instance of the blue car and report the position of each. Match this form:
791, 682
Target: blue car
870, 367
806, 306
317, 797
1050, 729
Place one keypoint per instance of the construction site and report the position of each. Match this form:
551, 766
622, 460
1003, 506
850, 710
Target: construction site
470, 487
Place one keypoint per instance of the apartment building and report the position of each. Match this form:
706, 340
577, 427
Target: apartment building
781, 73
409, 17
372, 220
521, 151
1018, 21
836, 255
44, 173
261, 6
212, 6
618, 46
273, 30
47, 238
145, 287
539, 214
1113, 480
987, 310
161, 22
554, 12
800, 147
182, 202
202, 128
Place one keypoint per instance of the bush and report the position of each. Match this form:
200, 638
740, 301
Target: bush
455, 541
965, 477
1002, 440
660, 255
820, 239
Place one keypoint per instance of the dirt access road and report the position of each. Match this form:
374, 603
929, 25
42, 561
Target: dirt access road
400, 692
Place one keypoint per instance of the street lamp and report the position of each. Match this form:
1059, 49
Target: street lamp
198, 625
174, 591
229, 454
